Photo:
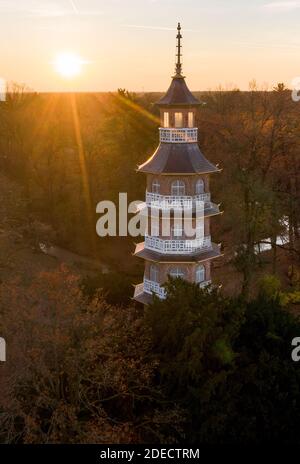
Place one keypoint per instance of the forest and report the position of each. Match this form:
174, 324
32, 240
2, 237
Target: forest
86, 363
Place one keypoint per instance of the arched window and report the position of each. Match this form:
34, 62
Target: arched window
154, 273
178, 188
178, 120
200, 274
155, 186
190, 119
166, 119
199, 186
177, 272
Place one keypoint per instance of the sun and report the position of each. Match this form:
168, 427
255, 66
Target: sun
68, 65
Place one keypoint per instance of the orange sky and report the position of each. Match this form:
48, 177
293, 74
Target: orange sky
131, 43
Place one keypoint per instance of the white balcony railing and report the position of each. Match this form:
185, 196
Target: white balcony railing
155, 200
174, 135
178, 246
148, 286
154, 287
204, 284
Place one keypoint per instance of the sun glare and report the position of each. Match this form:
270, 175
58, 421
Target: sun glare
68, 65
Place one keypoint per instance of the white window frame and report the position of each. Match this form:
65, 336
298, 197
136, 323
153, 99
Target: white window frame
166, 119
155, 188
199, 190
178, 120
190, 119
178, 188
154, 273
200, 274
177, 272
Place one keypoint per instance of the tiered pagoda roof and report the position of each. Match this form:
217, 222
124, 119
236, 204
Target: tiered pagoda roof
178, 158
181, 158
178, 94
178, 155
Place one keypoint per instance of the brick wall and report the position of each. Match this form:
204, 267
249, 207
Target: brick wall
189, 270
165, 182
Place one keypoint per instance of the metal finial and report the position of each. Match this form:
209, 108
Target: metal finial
178, 68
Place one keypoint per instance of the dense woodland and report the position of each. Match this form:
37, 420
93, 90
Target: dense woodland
71, 151
87, 364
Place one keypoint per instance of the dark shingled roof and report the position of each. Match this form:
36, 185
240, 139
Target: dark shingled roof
178, 94
178, 158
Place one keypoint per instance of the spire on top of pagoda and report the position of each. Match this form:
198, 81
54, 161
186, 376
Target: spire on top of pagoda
178, 93
178, 67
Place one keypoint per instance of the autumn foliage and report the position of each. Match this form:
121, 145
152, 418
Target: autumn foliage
78, 370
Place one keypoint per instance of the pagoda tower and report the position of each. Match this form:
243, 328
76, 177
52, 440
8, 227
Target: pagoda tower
178, 177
